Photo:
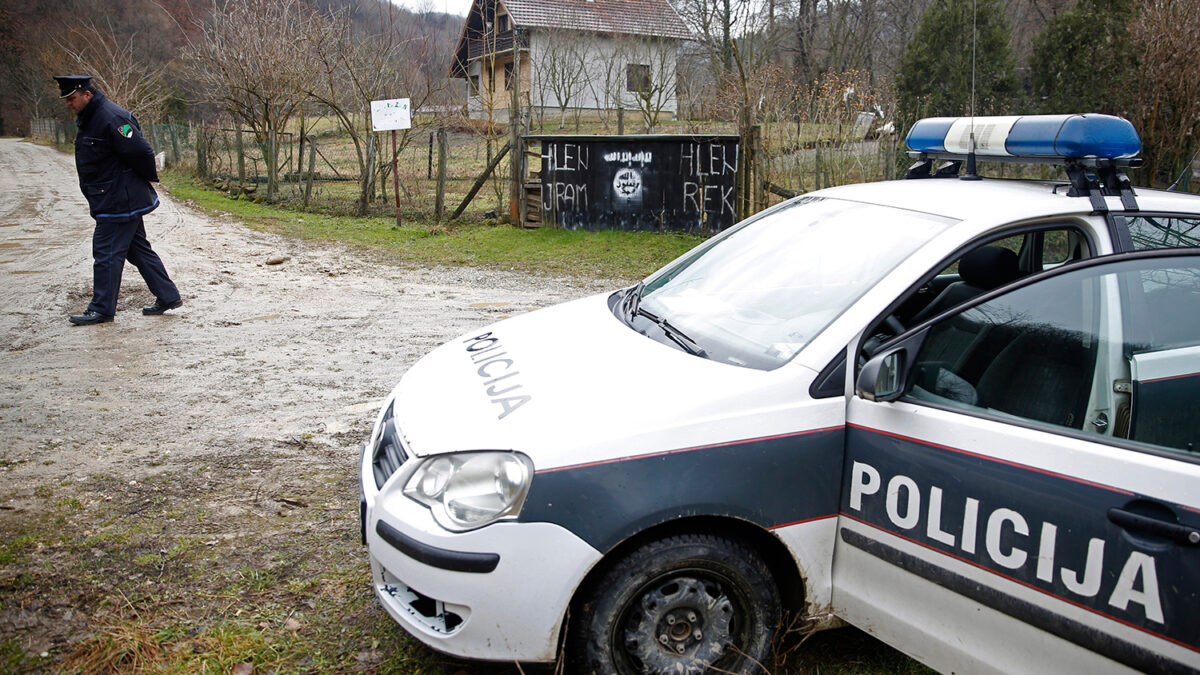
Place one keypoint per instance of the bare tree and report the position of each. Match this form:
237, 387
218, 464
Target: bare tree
1166, 107
1028, 18
559, 69
740, 38
651, 76
249, 59
694, 84
728, 26
28, 80
120, 72
353, 68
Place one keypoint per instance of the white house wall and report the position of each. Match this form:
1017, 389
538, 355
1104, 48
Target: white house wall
601, 51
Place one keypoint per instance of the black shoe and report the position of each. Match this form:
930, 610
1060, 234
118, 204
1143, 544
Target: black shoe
159, 307
89, 318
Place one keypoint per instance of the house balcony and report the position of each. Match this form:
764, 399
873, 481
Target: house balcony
497, 43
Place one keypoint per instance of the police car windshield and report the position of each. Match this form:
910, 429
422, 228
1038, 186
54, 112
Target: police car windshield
757, 294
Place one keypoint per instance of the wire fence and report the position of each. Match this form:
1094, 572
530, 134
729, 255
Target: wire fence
325, 170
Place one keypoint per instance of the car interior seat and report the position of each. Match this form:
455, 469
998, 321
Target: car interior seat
980, 270
1043, 375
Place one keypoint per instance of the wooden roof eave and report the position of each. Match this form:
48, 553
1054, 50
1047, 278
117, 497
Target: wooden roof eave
458, 67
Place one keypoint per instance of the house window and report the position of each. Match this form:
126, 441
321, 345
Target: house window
474, 83
637, 77
508, 75
502, 23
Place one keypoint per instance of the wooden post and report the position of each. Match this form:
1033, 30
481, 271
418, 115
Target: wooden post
516, 154
300, 150
744, 170
272, 156
817, 168
241, 161
621, 121
441, 173
396, 178
312, 163
201, 155
760, 175
368, 178
891, 157
429, 163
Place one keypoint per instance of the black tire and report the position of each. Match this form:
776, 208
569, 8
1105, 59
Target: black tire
678, 605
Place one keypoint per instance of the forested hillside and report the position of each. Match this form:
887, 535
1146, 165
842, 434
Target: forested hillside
262, 63
136, 47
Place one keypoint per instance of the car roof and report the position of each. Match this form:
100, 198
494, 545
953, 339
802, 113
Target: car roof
998, 199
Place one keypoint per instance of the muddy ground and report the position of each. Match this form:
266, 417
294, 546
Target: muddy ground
223, 435
179, 493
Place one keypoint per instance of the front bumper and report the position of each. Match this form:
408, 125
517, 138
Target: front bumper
498, 593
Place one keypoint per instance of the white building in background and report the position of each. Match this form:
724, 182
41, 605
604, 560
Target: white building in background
570, 56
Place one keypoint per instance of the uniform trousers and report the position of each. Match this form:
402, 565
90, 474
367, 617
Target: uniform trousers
112, 244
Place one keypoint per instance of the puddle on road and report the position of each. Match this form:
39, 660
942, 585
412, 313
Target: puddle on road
30, 271
10, 224
7, 245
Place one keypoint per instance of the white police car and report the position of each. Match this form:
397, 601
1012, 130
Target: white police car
963, 415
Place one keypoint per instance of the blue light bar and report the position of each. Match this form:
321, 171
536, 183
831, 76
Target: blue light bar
1030, 136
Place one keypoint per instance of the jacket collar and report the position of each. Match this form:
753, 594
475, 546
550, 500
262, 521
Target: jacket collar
90, 109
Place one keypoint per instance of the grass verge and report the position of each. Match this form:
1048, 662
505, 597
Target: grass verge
607, 254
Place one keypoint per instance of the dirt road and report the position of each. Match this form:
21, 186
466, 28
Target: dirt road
244, 406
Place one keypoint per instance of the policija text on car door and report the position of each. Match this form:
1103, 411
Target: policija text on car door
1022, 484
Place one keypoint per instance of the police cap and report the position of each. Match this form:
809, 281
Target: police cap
68, 84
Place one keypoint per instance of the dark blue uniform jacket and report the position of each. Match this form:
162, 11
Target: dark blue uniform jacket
115, 163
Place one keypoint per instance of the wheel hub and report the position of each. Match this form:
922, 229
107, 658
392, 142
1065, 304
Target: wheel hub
680, 626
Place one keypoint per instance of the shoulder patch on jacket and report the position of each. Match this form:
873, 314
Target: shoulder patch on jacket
125, 130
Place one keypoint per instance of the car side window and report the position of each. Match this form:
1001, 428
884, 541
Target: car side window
1148, 231
1029, 354
1109, 349
986, 266
1162, 345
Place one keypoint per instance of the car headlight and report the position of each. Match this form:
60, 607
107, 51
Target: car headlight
471, 489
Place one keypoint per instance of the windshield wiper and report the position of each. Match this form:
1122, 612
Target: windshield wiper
632, 300
631, 305
677, 336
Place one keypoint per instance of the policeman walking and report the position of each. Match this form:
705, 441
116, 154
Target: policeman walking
116, 166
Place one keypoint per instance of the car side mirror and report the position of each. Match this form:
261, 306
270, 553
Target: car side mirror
885, 376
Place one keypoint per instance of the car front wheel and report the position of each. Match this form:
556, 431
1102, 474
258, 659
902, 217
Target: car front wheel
682, 605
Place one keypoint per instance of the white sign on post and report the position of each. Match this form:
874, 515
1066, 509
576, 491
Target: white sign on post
390, 115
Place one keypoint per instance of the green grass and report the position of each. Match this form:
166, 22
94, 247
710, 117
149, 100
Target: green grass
421, 242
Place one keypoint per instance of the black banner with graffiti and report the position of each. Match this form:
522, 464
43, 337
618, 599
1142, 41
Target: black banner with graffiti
658, 183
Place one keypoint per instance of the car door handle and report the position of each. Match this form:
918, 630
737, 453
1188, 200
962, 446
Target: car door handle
1180, 534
